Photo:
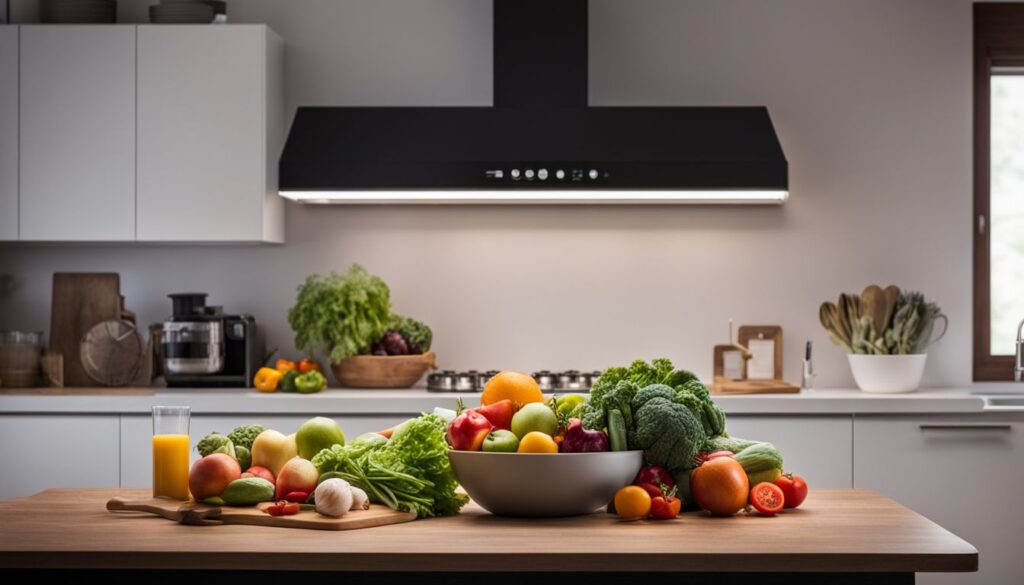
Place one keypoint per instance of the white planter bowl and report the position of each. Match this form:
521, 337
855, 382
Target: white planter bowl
887, 374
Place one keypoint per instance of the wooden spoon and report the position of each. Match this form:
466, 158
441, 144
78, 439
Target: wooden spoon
890, 295
872, 301
828, 314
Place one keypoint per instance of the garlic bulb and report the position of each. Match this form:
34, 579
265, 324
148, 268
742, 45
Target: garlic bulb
360, 501
333, 497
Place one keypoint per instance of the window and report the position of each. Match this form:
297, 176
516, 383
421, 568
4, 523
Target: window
998, 186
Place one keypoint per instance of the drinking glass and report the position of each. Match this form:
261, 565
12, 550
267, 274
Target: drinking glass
170, 452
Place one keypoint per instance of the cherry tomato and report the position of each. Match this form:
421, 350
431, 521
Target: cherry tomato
665, 507
794, 488
274, 510
767, 498
632, 503
654, 475
290, 509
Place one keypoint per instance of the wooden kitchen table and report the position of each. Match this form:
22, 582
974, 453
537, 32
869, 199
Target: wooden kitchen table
835, 537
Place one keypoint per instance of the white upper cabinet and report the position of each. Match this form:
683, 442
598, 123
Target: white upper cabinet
77, 133
209, 133
8, 133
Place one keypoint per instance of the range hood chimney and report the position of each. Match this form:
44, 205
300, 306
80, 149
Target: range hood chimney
540, 143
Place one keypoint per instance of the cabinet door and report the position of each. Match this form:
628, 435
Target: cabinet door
8, 133
819, 448
964, 473
49, 451
136, 458
202, 133
77, 132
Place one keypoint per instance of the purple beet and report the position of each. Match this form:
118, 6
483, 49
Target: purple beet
580, 440
395, 344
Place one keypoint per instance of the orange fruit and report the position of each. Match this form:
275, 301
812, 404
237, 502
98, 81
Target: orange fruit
537, 442
518, 387
632, 502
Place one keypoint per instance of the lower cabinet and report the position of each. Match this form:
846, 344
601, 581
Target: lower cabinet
38, 452
819, 448
137, 459
964, 473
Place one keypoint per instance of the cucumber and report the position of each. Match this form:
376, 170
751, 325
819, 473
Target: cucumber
617, 430
759, 457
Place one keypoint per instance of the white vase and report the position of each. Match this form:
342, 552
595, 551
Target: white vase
887, 374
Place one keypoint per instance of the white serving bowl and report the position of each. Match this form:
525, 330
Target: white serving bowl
544, 484
887, 374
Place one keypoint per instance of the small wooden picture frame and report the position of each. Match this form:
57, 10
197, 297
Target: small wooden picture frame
765, 342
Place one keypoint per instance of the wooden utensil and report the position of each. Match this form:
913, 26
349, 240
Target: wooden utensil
79, 302
205, 515
890, 295
872, 301
828, 314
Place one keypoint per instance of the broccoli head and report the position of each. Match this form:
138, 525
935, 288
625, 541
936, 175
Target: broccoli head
668, 431
244, 457
620, 396
215, 443
244, 435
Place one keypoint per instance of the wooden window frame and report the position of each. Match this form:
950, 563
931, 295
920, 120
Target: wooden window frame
998, 41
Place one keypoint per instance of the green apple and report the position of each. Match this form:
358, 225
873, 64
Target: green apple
317, 434
501, 441
535, 416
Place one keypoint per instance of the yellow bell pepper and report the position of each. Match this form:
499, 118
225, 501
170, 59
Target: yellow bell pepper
267, 379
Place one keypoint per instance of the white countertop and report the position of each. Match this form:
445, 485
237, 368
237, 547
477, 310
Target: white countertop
412, 401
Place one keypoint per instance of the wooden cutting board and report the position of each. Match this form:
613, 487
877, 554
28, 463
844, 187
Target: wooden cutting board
728, 386
79, 302
202, 514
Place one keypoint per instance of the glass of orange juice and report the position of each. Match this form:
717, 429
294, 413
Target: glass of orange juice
170, 452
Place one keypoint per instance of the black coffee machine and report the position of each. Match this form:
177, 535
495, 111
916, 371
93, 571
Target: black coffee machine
203, 347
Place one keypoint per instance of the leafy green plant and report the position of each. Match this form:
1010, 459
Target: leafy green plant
342, 315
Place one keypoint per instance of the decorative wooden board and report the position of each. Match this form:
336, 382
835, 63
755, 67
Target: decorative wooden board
202, 514
80, 301
727, 386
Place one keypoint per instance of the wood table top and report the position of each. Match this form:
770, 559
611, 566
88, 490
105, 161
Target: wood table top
836, 530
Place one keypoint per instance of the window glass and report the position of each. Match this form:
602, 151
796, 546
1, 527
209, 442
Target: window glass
1007, 210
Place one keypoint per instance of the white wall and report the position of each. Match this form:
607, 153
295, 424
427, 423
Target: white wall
872, 102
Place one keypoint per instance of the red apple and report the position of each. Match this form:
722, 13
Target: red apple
211, 474
258, 471
468, 431
500, 413
297, 475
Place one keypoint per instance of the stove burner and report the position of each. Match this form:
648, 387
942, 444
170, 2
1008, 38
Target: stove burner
474, 381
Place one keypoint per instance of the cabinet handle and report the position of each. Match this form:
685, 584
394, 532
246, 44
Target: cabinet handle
966, 427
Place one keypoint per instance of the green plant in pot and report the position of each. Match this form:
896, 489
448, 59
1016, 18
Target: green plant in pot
886, 334
348, 317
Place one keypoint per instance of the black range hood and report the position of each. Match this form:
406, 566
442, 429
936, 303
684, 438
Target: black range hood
540, 143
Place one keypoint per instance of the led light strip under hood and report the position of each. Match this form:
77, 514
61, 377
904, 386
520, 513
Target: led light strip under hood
548, 196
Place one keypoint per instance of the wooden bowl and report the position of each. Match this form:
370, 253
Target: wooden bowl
382, 371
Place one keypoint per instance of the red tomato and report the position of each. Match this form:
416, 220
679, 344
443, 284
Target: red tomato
794, 488
290, 509
665, 507
767, 498
654, 475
